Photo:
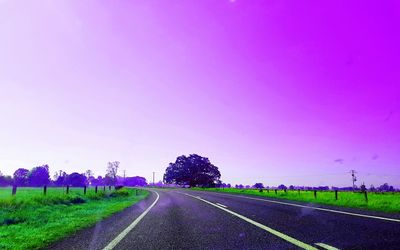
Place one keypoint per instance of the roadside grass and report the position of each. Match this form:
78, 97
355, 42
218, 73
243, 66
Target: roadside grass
382, 202
31, 220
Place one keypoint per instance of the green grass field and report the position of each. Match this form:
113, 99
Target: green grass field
384, 202
31, 220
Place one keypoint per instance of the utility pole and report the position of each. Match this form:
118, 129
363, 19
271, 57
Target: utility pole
153, 177
354, 178
124, 174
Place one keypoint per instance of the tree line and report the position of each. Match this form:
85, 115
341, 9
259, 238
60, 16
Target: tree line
40, 176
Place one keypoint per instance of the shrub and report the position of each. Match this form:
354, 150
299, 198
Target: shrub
77, 200
120, 192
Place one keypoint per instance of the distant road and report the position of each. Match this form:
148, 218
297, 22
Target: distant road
185, 219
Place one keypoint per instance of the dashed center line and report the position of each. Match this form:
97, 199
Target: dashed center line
255, 223
221, 205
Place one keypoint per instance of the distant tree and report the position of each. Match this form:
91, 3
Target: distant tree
135, 181
372, 188
258, 185
89, 176
218, 184
228, 185
60, 178
159, 184
97, 181
5, 180
76, 180
39, 176
89, 173
112, 170
90, 180
386, 188
21, 177
57, 174
240, 186
282, 187
291, 187
108, 180
193, 170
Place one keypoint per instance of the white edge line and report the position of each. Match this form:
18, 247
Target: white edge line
219, 204
326, 246
268, 229
120, 236
316, 208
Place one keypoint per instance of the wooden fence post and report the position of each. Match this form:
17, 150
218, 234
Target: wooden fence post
67, 189
315, 194
44, 189
276, 191
298, 191
267, 190
109, 187
285, 190
136, 192
366, 196
104, 188
336, 194
95, 189
84, 189
14, 190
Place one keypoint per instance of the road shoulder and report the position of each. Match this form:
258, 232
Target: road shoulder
103, 232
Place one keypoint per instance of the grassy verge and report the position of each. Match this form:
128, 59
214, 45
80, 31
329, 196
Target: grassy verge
383, 202
31, 220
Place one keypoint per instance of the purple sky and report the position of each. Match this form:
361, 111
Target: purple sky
271, 91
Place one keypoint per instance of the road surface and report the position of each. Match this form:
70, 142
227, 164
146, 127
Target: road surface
186, 219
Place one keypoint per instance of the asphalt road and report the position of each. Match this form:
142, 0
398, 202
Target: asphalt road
185, 219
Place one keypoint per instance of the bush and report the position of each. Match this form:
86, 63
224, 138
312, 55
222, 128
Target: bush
120, 192
77, 200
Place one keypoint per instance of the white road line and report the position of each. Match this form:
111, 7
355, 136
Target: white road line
326, 246
219, 204
117, 239
268, 229
316, 208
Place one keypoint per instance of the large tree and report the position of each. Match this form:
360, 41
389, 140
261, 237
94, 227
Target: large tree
193, 170
21, 177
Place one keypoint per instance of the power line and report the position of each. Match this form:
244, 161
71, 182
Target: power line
282, 176
375, 174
